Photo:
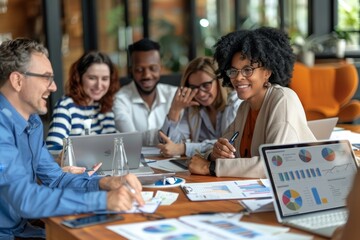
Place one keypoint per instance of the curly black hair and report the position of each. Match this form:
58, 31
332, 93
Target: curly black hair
269, 47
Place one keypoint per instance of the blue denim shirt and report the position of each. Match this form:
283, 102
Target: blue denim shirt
24, 162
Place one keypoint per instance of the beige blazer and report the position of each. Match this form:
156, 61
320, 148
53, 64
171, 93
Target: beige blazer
281, 119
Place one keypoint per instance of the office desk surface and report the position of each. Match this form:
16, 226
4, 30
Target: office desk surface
182, 206
352, 127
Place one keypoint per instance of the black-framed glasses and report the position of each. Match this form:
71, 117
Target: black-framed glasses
49, 77
246, 71
205, 87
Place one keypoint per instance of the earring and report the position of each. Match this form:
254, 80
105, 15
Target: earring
267, 84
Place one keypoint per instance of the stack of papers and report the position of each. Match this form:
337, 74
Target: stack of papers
258, 205
241, 189
165, 165
353, 137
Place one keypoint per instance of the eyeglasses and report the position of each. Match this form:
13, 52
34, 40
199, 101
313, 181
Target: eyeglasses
246, 71
49, 77
205, 87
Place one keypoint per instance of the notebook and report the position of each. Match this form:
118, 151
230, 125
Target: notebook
91, 149
310, 183
323, 128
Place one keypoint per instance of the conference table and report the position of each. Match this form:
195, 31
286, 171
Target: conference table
182, 206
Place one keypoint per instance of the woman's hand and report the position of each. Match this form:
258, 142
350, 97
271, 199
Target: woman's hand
199, 165
169, 148
81, 170
74, 169
183, 98
222, 149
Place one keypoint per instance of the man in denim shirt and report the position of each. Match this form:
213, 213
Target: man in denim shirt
26, 81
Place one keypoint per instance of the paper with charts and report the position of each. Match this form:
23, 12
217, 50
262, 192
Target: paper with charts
205, 228
227, 190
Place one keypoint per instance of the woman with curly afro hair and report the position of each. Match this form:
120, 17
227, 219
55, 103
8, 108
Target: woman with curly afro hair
258, 64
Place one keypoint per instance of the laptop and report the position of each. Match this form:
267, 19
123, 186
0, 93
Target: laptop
323, 128
91, 149
310, 183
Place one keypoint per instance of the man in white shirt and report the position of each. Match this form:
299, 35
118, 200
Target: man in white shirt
142, 104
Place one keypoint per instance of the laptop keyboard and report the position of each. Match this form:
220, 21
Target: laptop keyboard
322, 221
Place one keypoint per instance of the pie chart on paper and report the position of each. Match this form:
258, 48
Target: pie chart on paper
328, 154
292, 199
305, 155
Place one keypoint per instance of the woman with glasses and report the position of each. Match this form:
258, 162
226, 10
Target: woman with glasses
258, 64
200, 111
86, 107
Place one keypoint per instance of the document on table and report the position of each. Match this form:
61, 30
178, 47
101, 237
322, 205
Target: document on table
151, 204
202, 227
165, 165
258, 205
346, 134
241, 189
150, 151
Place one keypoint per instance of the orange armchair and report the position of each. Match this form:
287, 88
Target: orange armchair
327, 91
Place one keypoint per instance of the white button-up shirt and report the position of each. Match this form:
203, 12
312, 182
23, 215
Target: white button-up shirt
133, 114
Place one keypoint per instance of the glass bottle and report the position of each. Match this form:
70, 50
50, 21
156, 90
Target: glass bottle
120, 165
68, 156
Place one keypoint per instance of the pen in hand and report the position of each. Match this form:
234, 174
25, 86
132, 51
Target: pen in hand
232, 139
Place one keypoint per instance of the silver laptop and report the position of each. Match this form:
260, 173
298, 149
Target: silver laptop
310, 183
91, 149
323, 128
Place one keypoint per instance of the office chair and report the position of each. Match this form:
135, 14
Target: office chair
327, 91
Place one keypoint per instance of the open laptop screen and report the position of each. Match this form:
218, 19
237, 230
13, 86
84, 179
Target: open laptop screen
309, 177
91, 149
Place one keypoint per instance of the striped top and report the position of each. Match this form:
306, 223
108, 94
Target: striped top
68, 120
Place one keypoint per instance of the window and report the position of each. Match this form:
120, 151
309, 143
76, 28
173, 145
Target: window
348, 25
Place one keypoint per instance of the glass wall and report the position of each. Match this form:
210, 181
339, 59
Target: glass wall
348, 26
169, 26
72, 38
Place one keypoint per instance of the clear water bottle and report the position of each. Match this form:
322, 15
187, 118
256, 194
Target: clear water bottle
68, 156
120, 165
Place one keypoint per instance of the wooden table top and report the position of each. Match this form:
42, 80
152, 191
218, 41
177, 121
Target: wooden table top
352, 127
182, 206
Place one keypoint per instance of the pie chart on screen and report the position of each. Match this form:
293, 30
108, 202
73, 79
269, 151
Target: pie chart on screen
277, 160
305, 155
328, 154
292, 199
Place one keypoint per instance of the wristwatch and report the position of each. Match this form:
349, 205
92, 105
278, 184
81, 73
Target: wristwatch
212, 167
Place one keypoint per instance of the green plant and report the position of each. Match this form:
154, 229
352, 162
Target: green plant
173, 51
342, 35
115, 19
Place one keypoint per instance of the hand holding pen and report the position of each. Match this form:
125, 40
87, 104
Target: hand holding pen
224, 148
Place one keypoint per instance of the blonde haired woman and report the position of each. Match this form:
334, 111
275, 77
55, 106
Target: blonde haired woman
200, 111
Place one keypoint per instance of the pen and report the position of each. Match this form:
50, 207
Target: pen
162, 140
232, 139
131, 189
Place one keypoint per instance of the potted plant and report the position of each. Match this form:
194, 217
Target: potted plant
342, 37
305, 48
